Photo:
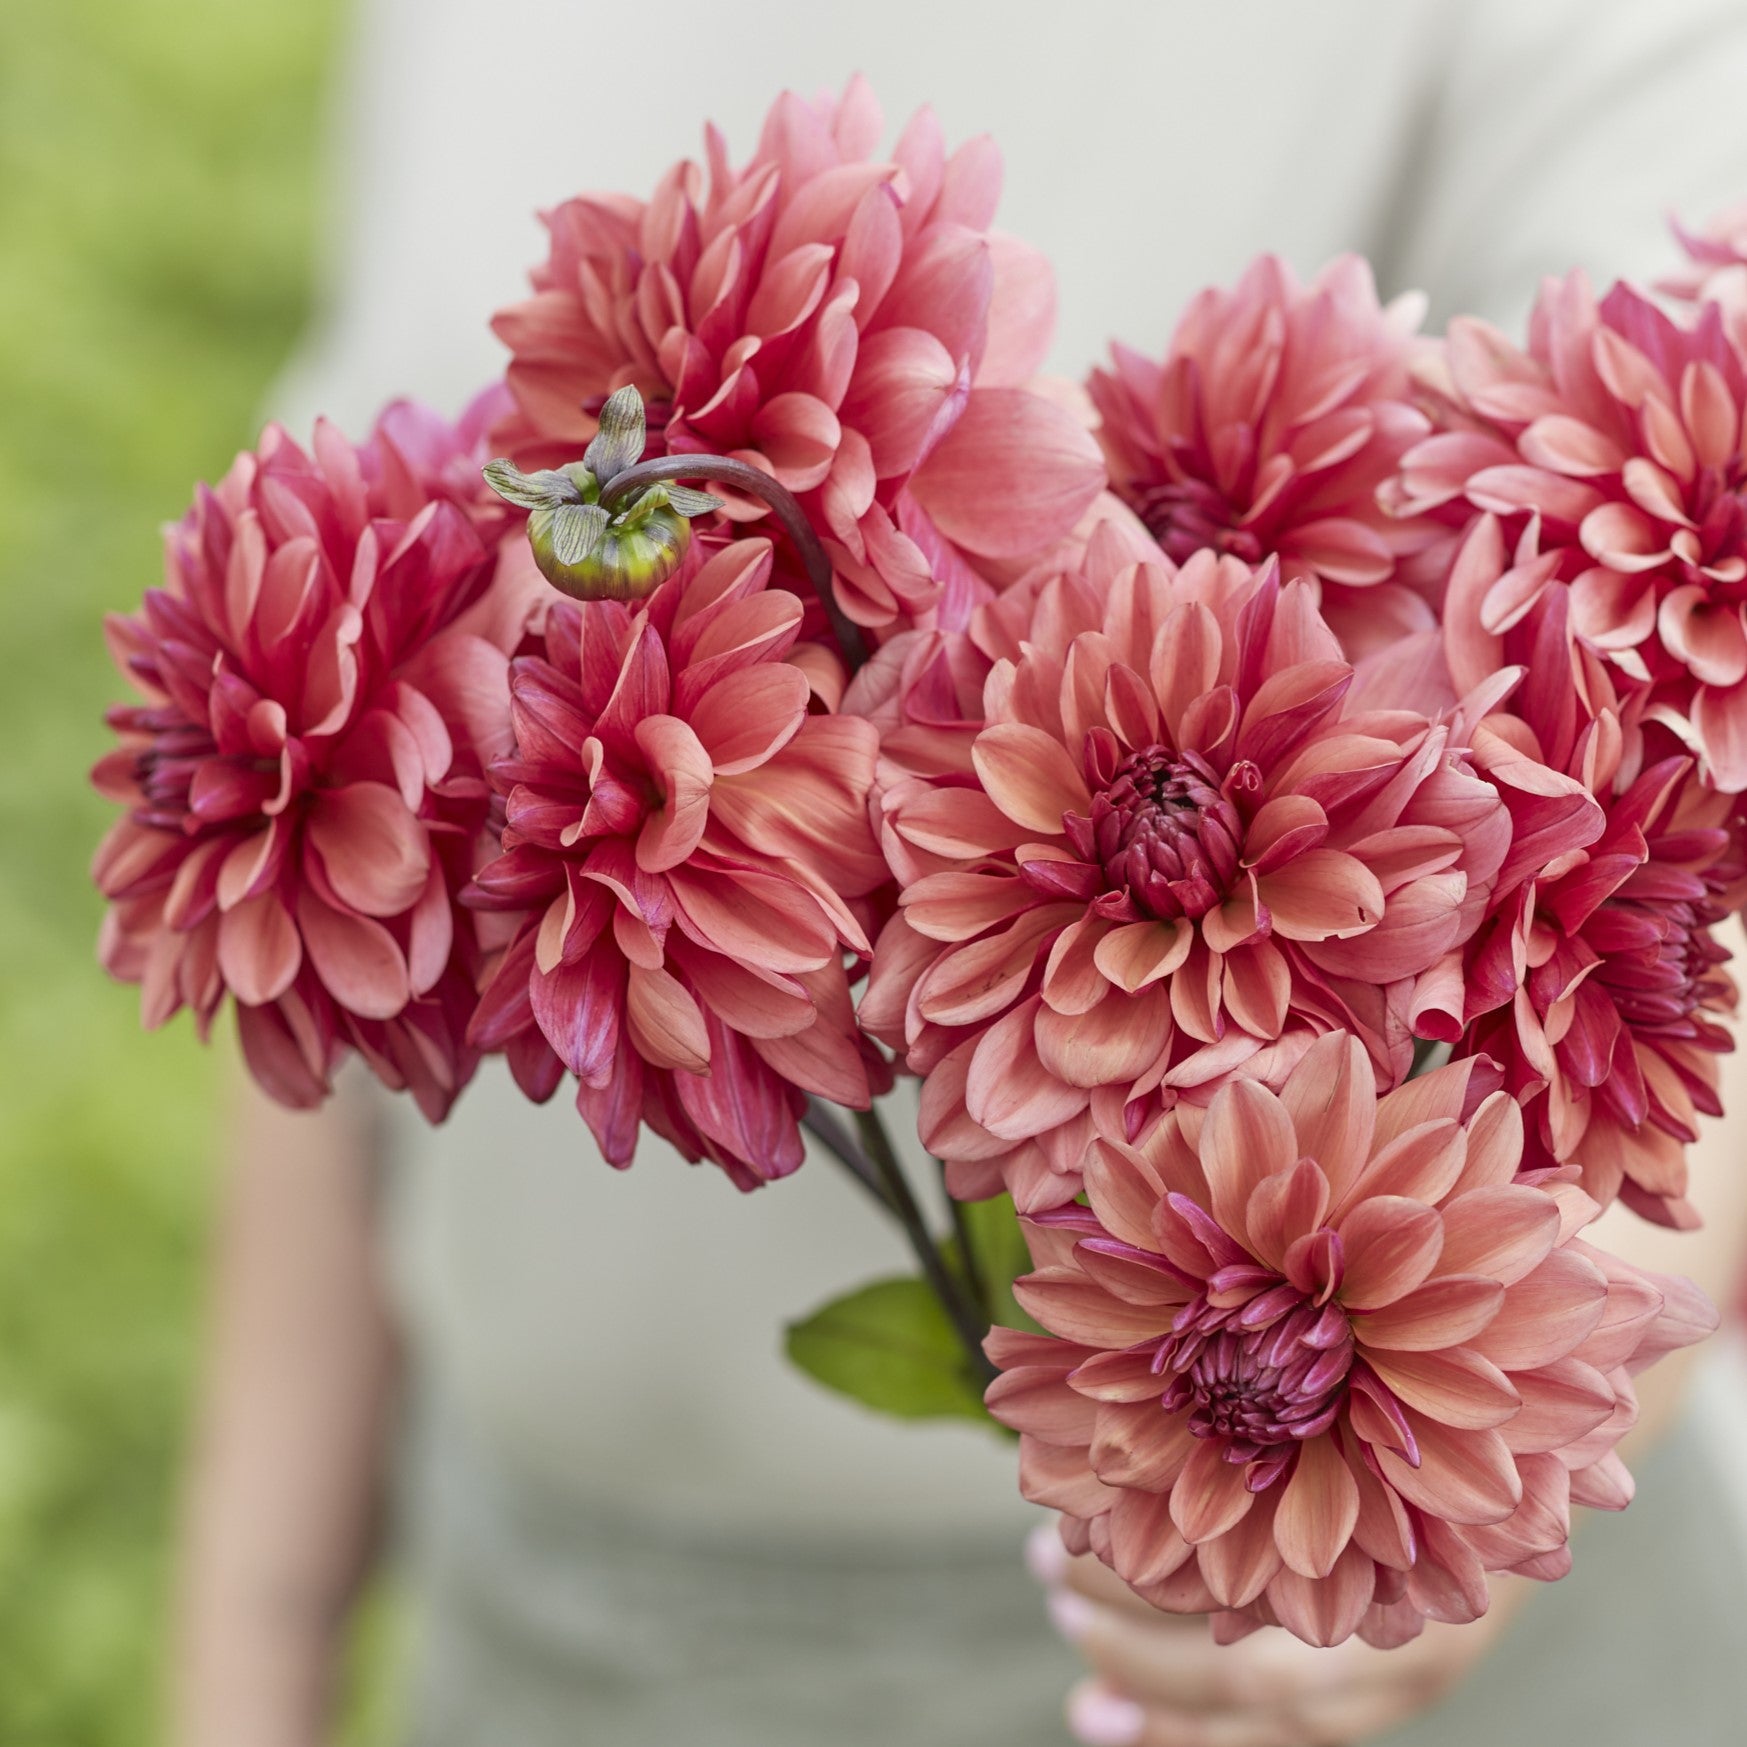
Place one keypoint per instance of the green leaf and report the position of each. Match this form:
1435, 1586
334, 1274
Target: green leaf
618, 443
890, 1347
529, 491
576, 531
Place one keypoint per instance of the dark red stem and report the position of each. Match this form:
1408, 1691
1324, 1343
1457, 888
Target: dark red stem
661, 469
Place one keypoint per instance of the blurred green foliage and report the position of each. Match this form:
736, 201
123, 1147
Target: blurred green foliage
158, 170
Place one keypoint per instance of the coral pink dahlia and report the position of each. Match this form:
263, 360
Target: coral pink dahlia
1275, 415
1174, 853
1315, 1359
846, 321
324, 677
1612, 447
680, 838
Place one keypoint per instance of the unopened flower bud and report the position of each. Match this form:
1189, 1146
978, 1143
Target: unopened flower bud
586, 550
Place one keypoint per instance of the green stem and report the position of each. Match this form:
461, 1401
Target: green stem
973, 1267
969, 1323
822, 1122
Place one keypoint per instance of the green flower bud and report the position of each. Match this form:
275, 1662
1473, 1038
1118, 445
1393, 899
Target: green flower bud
583, 549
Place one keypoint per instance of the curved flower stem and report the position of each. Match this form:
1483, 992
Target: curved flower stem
966, 1319
822, 1122
973, 1267
744, 477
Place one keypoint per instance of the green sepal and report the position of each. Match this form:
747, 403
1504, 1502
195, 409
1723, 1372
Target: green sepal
618, 443
689, 503
576, 531
530, 491
890, 1346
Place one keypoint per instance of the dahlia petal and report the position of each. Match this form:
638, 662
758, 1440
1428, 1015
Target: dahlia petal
1247, 1137
1503, 1231
1544, 1315
1240, 1564
1331, 1097
1444, 1312
577, 1007
1008, 1089
356, 958
1449, 1581
430, 934
904, 392
1611, 611
943, 286
259, 952
1145, 1547
1421, 1164
1209, 1496
1127, 1376
1139, 954
1621, 537
1137, 1446
758, 918
743, 719
1124, 1191
1011, 476
823, 1058
1603, 1485
373, 850
1462, 1477
665, 1022
1029, 776
1284, 1208
1318, 1509
1454, 1387
1035, 1399
1390, 1244
1022, 312
1708, 637
798, 435
1320, 893
1324, 1611
745, 1108
1564, 444
1562, 1402
680, 767
1116, 1042
1068, 1304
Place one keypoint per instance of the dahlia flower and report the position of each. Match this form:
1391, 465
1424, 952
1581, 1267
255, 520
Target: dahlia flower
1598, 983
1612, 448
680, 841
1716, 262
1316, 1360
848, 322
1172, 852
324, 676
1276, 413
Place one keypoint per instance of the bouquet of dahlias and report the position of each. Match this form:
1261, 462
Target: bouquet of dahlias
1282, 827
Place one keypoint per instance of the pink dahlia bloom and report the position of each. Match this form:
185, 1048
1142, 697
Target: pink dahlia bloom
1599, 982
680, 841
1171, 851
324, 677
1612, 448
1267, 428
1315, 1359
846, 321
1716, 262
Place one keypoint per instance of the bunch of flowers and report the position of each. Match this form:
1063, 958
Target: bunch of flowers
1288, 851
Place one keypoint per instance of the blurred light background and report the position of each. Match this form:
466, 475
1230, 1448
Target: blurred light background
158, 167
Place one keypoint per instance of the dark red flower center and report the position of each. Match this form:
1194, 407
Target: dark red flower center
1165, 831
1186, 516
1261, 1377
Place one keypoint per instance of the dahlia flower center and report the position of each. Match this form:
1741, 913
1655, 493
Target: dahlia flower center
1664, 986
1261, 1377
1187, 515
1165, 831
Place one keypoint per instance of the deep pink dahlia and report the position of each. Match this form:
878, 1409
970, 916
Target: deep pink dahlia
1167, 851
1276, 413
1612, 448
681, 844
1599, 981
846, 321
324, 677
1317, 1360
